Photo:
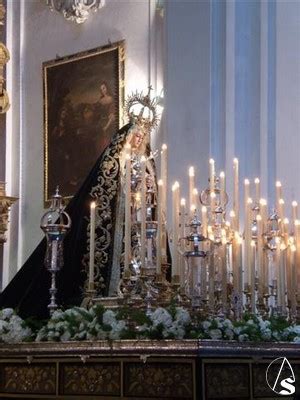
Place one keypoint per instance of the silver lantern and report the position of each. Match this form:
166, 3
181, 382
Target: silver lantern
55, 223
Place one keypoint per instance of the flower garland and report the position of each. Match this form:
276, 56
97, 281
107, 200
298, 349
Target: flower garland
162, 323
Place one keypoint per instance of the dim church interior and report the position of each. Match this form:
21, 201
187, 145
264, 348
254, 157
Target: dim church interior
229, 73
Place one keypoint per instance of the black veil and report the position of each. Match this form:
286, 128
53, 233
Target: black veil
28, 292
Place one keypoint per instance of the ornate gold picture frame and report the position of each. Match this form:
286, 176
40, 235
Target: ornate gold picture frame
83, 107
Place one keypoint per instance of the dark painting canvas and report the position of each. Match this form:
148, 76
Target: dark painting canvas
82, 109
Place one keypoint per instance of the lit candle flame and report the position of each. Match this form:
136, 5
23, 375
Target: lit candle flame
191, 171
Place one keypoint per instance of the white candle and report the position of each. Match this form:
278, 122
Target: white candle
293, 278
236, 206
196, 200
234, 252
247, 248
159, 227
282, 274
175, 267
276, 269
281, 213
232, 218
281, 208
212, 183
222, 188
224, 272
204, 221
294, 211
182, 217
289, 274
263, 212
143, 212
260, 269
182, 242
264, 216
191, 185
127, 210
92, 245
297, 256
252, 273
278, 193
240, 264
257, 189
247, 190
164, 176
248, 238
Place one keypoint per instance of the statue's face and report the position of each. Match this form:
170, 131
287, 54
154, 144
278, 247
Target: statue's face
137, 139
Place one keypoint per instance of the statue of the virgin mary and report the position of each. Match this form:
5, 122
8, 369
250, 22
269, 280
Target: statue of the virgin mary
28, 292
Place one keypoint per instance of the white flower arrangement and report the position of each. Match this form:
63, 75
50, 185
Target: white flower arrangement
78, 323
13, 328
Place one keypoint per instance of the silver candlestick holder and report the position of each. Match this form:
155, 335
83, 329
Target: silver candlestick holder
196, 281
55, 224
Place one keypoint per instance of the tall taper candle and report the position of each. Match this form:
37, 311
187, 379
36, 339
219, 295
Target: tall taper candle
236, 200
204, 221
127, 207
293, 278
252, 273
289, 272
260, 254
222, 188
297, 257
282, 274
182, 217
159, 227
247, 249
281, 213
191, 186
265, 264
163, 176
196, 202
278, 193
175, 266
143, 212
294, 211
257, 190
92, 245
182, 242
212, 183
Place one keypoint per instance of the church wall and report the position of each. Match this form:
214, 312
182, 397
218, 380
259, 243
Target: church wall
287, 121
233, 91
188, 90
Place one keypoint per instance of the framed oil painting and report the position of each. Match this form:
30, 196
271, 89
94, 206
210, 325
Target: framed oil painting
83, 103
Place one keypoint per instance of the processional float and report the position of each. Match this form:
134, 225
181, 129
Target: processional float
217, 267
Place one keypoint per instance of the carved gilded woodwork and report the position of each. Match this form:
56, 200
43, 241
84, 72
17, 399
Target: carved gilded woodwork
102, 378
227, 381
139, 369
5, 203
159, 380
34, 379
4, 58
